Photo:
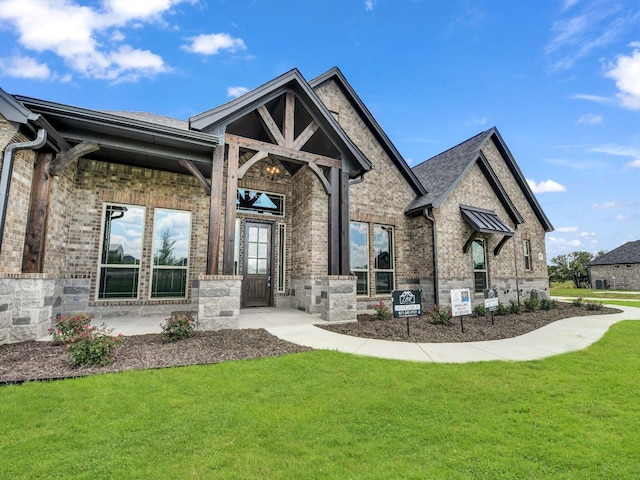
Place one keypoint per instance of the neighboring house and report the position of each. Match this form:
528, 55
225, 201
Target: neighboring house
617, 269
288, 196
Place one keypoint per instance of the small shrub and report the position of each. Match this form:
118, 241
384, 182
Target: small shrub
441, 315
502, 309
94, 346
515, 308
69, 326
178, 326
479, 311
548, 304
531, 304
594, 306
577, 302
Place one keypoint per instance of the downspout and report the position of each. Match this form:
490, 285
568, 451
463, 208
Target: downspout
426, 213
7, 170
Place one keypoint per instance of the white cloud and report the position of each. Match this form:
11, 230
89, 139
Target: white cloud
567, 229
587, 234
626, 73
369, 4
591, 98
213, 43
590, 118
24, 67
607, 205
236, 91
84, 36
478, 121
563, 242
622, 218
545, 186
620, 151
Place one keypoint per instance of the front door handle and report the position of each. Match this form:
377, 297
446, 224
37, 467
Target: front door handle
269, 281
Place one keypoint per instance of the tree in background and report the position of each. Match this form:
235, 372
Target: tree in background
572, 267
164, 255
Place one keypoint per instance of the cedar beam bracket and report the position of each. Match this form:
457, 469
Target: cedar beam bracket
467, 245
191, 168
270, 123
83, 148
496, 250
328, 188
250, 163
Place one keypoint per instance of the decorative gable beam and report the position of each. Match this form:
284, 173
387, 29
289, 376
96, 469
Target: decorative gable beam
270, 123
306, 134
289, 111
291, 155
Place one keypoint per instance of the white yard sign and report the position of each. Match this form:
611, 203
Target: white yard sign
460, 302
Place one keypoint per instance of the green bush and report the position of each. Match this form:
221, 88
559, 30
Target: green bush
531, 304
441, 315
593, 305
180, 325
69, 326
515, 308
502, 309
94, 346
577, 302
479, 311
548, 304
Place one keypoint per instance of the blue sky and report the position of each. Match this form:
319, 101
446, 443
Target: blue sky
559, 78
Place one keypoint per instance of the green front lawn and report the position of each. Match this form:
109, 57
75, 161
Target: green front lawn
592, 293
329, 415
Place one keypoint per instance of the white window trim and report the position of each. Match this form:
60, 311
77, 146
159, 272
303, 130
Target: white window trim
484, 270
526, 246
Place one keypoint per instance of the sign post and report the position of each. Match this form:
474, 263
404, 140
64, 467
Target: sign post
491, 301
407, 304
460, 304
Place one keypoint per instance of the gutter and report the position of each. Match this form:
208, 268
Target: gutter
7, 169
426, 213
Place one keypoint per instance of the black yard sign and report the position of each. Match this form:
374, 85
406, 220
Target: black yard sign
407, 303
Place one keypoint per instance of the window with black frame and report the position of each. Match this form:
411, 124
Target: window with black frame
479, 265
170, 266
119, 270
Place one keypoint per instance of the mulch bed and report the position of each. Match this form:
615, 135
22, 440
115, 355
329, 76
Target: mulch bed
25, 361
423, 330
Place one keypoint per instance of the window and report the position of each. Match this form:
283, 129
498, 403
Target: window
359, 246
383, 257
479, 265
383, 263
260, 202
171, 238
527, 254
122, 231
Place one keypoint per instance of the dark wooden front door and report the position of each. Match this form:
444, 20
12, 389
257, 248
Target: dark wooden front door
256, 266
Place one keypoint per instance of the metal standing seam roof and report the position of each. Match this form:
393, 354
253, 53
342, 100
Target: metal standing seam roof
485, 221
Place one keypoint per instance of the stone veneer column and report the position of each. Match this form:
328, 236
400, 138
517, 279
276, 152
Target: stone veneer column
25, 306
338, 298
217, 298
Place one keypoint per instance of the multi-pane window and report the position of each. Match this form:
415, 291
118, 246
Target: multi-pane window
264, 203
479, 265
527, 254
171, 238
383, 258
359, 254
382, 271
122, 232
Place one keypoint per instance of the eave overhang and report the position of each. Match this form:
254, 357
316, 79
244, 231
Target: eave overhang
485, 221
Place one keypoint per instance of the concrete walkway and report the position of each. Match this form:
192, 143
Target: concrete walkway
559, 337
298, 327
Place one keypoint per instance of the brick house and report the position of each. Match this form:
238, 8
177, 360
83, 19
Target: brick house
618, 269
288, 196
